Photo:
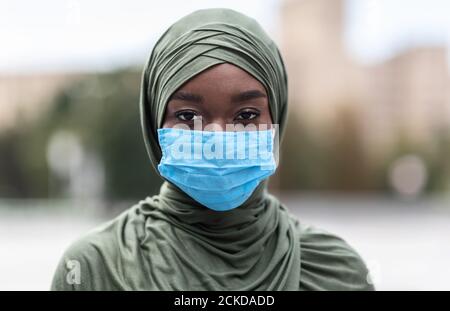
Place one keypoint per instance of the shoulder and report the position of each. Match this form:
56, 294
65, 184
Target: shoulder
77, 265
87, 262
328, 262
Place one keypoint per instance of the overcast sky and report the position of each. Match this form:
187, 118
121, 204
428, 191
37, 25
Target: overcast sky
55, 35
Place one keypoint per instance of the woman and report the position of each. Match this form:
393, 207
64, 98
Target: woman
213, 226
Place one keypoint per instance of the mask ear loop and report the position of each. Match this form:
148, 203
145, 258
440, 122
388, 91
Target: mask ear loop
276, 143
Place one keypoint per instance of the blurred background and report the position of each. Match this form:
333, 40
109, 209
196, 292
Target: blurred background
366, 154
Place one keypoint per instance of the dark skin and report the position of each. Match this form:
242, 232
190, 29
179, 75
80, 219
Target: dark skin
223, 94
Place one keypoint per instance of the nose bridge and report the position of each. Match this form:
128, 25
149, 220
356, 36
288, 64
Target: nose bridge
217, 115
217, 123
222, 122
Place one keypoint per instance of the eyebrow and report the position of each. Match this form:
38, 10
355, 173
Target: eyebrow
248, 95
195, 98
186, 96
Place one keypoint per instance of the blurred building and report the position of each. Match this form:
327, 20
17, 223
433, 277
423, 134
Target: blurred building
322, 76
408, 94
26, 96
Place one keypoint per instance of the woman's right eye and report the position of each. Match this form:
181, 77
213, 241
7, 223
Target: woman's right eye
186, 115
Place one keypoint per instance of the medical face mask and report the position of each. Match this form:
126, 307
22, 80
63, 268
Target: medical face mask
219, 169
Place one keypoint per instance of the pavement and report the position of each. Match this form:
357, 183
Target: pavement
405, 244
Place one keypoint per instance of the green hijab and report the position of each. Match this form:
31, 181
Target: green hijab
171, 242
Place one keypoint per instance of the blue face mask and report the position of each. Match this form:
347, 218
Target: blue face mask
220, 170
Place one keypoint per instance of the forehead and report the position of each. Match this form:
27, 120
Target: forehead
224, 78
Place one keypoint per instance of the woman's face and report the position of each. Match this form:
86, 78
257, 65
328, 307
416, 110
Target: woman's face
219, 96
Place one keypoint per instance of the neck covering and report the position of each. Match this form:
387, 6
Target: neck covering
171, 242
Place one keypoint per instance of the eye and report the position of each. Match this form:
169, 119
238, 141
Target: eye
186, 115
247, 115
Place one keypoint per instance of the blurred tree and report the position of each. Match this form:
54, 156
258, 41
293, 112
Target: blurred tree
441, 166
301, 157
102, 109
332, 162
346, 159
12, 178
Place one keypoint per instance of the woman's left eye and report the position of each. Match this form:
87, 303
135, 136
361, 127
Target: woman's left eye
247, 115
186, 115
